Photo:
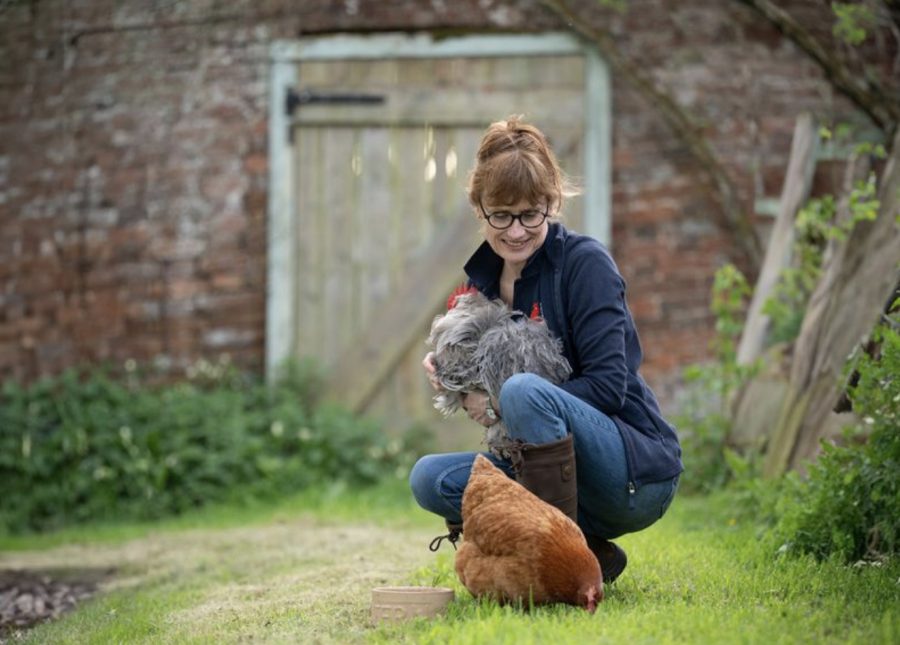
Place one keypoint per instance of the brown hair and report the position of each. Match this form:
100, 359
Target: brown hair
515, 162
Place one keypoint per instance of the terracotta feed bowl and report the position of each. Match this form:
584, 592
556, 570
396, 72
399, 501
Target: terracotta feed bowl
400, 603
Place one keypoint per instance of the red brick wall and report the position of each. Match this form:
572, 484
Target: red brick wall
133, 167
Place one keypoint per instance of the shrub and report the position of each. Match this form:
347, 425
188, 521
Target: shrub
849, 506
85, 446
702, 429
704, 420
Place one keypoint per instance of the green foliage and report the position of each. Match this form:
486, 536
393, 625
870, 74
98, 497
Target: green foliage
617, 5
787, 304
704, 419
85, 446
853, 21
730, 295
703, 429
849, 506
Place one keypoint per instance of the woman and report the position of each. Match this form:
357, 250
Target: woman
604, 422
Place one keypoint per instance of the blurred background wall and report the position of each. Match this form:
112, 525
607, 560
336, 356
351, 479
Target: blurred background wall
134, 164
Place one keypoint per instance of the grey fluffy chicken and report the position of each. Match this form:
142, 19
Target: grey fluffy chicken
478, 344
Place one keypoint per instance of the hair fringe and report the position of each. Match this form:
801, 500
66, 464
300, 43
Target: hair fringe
515, 161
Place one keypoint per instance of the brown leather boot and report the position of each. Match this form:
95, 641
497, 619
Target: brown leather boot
548, 471
611, 557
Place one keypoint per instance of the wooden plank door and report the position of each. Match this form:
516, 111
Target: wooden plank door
382, 219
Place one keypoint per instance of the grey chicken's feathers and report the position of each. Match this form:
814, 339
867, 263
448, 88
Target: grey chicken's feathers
479, 344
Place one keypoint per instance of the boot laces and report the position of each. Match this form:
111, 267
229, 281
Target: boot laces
452, 537
516, 456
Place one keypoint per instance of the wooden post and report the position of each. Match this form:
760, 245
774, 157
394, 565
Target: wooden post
858, 275
794, 193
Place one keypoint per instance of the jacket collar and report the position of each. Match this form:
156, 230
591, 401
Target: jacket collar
484, 267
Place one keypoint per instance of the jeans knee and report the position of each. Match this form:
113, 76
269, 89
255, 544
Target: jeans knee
422, 482
434, 480
519, 394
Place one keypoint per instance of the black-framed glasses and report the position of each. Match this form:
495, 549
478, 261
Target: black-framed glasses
531, 218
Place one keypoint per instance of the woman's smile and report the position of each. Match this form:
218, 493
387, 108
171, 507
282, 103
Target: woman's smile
517, 243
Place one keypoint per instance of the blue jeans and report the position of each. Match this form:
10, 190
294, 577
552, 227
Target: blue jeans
537, 411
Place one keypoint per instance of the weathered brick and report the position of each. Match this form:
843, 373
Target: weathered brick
133, 163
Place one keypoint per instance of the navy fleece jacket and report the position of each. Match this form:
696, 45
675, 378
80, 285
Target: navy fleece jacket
574, 283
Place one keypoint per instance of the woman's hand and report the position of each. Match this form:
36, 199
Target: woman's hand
480, 409
428, 364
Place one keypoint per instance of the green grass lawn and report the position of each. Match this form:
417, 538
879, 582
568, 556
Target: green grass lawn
301, 571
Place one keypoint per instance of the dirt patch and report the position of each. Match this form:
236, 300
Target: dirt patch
31, 597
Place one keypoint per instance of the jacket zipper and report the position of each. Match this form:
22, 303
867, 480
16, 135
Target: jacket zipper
564, 332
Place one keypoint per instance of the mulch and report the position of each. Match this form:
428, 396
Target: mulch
31, 597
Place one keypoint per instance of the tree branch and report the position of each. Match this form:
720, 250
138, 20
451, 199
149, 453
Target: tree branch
866, 93
737, 220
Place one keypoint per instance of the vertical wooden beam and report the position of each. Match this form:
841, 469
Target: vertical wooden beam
597, 148
281, 268
794, 193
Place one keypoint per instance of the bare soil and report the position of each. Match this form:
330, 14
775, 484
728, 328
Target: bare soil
29, 597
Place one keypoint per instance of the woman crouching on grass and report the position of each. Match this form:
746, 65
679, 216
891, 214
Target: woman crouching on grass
604, 422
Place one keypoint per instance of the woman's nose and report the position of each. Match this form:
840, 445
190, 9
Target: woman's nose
516, 230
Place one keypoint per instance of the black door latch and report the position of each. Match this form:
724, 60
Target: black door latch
308, 97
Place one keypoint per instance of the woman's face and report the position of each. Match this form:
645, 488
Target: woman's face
517, 243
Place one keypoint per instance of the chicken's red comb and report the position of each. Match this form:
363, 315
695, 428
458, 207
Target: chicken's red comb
461, 290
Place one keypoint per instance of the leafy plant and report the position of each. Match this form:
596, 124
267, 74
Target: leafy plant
84, 446
849, 506
704, 418
853, 21
730, 295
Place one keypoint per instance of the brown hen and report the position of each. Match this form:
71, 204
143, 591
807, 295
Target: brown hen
518, 547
